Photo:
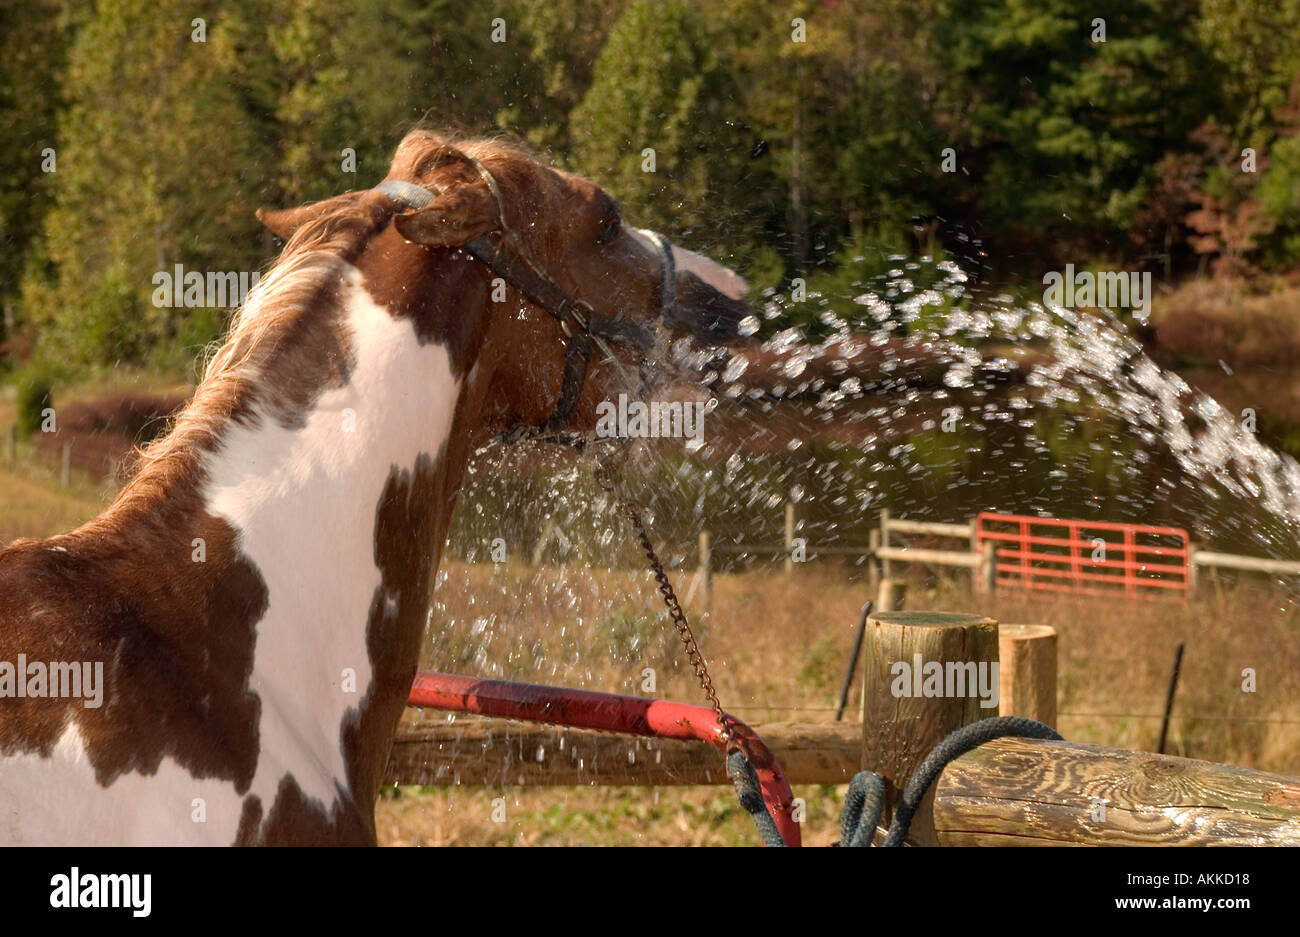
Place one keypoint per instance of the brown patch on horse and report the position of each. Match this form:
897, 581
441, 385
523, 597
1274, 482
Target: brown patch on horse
177, 636
410, 524
176, 639
442, 299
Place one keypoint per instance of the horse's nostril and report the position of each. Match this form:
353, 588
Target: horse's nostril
706, 313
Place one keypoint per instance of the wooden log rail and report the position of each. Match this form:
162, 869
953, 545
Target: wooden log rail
1250, 563
498, 753
1009, 792
1006, 792
1022, 792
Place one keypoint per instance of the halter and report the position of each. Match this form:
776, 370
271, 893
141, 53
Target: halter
504, 253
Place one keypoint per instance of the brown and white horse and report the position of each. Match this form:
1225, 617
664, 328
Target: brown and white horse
257, 594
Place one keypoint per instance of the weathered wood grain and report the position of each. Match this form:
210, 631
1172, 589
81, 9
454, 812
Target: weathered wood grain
1027, 671
898, 731
1034, 793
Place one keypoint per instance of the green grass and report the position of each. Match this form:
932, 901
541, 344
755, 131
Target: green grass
36, 507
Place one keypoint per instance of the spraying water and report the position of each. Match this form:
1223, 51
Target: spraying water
912, 393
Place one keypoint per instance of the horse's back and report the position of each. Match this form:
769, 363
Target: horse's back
56, 652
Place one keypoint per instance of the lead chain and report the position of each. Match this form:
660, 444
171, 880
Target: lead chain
607, 480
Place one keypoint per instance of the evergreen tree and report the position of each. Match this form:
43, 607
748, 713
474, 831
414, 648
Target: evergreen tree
1062, 129
34, 37
152, 144
564, 38
660, 125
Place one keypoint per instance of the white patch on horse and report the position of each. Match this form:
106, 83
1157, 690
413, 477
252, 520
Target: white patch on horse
70, 746
48, 799
303, 502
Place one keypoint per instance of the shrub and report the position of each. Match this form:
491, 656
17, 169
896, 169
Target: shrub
35, 394
112, 326
819, 664
1205, 321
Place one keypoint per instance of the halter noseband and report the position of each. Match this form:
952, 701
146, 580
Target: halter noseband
504, 253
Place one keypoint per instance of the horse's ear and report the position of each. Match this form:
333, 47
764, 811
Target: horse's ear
463, 208
283, 222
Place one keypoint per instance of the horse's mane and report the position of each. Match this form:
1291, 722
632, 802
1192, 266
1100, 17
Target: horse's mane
345, 222
311, 261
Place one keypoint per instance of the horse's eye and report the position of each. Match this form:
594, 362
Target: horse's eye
609, 229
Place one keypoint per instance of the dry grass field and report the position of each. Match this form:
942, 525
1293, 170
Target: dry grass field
778, 645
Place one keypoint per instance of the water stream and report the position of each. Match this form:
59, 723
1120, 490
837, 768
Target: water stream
934, 401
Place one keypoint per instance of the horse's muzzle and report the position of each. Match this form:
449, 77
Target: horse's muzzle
704, 312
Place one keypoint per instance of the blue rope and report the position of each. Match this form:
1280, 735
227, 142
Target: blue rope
865, 801
863, 806
751, 797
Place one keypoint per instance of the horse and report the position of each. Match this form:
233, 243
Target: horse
222, 656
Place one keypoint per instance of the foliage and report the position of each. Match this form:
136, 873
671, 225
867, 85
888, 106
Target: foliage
818, 664
35, 394
1064, 131
677, 102
791, 138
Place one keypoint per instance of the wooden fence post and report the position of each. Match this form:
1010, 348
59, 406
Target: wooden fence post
891, 595
789, 537
900, 727
885, 569
986, 573
1027, 672
873, 545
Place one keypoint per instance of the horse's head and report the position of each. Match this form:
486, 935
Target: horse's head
549, 300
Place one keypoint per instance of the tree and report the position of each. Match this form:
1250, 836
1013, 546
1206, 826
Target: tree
148, 139
563, 40
34, 38
1255, 53
660, 125
357, 76
1065, 131
1279, 186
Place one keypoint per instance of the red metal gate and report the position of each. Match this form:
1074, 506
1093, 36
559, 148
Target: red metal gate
1092, 557
609, 712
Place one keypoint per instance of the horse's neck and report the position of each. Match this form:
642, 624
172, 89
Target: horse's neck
338, 511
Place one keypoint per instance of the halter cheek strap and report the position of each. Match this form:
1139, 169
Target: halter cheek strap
504, 253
